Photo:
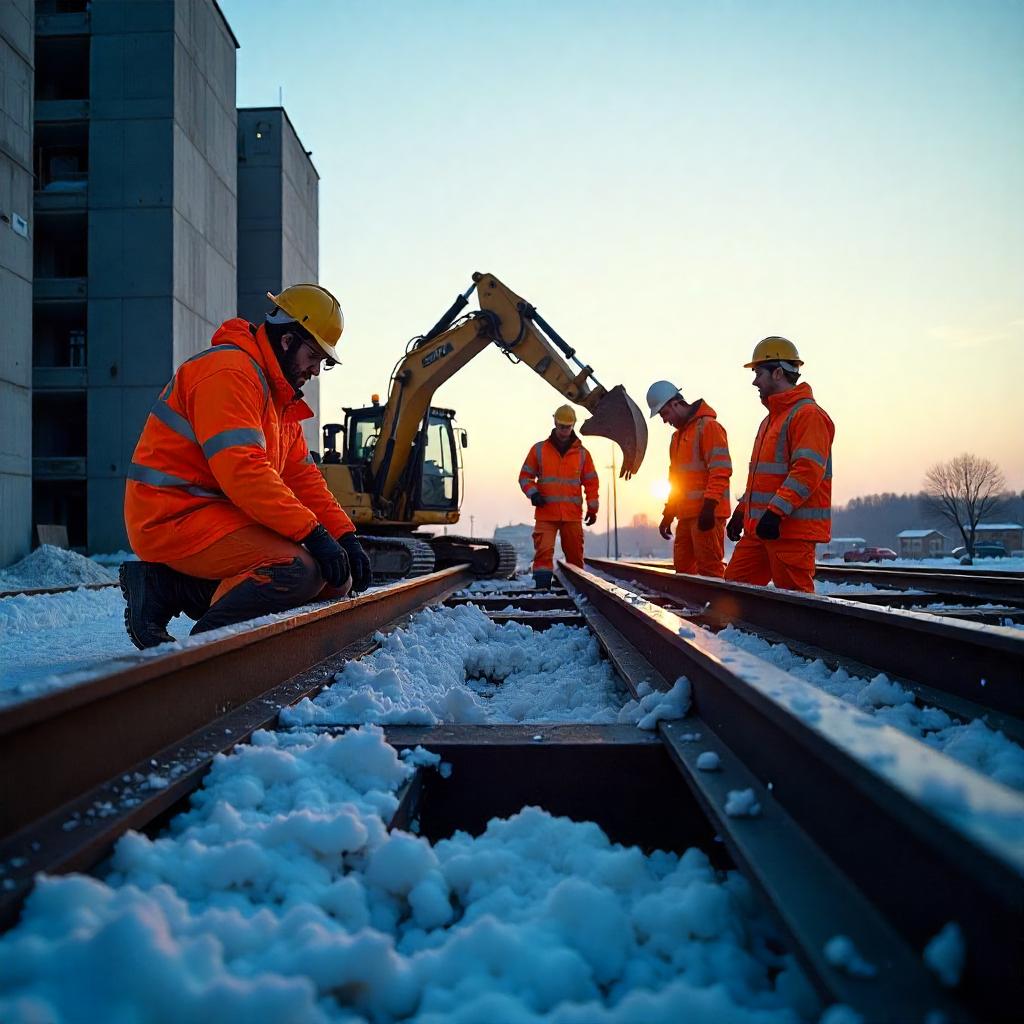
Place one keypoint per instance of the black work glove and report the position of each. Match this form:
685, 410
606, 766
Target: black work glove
706, 519
537, 499
665, 526
734, 528
329, 556
768, 525
591, 518
358, 560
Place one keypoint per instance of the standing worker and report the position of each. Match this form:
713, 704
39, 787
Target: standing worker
555, 472
698, 475
787, 508
224, 502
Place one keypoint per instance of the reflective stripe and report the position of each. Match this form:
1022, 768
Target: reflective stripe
568, 501
809, 453
157, 478
526, 471
780, 446
794, 485
234, 348
166, 415
828, 467
592, 504
718, 451
308, 460
236, 438
531, 490
727, 463
782, 505
772, 468
694, 495
812, 513
589, 476
569, 481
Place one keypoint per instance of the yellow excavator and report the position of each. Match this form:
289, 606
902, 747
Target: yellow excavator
398, 466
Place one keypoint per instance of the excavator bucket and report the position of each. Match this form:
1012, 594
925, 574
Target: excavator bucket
618, 418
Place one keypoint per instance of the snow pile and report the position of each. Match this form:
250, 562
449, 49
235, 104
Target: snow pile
48, 566
456, 665
281, 897
973, 744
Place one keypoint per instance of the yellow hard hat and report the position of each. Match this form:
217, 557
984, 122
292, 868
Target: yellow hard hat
315, 310
565, 414
775, 349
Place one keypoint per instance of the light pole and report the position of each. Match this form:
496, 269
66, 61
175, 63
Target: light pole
472, 526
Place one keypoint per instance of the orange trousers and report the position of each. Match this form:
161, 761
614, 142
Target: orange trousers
699, 552
544, 534
789, 564
241, 555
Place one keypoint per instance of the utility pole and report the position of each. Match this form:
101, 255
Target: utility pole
608, 515
615, 505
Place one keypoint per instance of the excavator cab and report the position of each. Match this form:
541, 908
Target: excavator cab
433, 476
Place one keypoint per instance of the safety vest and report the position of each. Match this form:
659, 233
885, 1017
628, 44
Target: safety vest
699, 466
559, 479
791, 467
223, 449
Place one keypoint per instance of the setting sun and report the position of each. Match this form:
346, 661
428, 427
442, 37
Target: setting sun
660, 489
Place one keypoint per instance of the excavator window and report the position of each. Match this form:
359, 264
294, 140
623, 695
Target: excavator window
361, 432
439, 482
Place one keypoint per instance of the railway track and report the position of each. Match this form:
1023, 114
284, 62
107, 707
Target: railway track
41, 591
859, 830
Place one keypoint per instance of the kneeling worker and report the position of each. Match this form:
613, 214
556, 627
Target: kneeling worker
698, 474
787, 508
224, 502
555, 472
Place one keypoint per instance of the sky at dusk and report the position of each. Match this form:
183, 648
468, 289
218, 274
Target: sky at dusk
668, 182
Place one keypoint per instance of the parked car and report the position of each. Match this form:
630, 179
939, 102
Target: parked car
980, 551
870, 555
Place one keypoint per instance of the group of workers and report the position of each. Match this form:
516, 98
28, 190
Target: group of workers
785, 510
231, 518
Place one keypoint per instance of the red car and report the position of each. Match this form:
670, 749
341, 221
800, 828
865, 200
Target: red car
870, 555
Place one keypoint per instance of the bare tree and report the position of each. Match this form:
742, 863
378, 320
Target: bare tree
965, 491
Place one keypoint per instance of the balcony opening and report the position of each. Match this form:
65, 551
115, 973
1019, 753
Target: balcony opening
62, 502
59, 425
62, 68
58, 334
62, 244
61, 157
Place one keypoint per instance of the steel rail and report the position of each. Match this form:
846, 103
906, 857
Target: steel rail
979, 668
43, 591
933, 581
64, 754
902, 822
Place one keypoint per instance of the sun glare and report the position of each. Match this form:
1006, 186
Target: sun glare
660, 489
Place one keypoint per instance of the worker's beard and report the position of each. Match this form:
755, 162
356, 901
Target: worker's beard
289, 363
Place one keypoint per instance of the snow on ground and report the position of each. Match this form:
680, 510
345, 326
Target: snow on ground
973, 744
281, 897
456, 665
48, 566
948, 563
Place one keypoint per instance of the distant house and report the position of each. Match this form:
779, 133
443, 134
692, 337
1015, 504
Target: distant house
921, 543
1010, 535
838, 546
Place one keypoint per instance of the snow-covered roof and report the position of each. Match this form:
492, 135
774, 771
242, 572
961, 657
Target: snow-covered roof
995, 526
919, 533
848, 540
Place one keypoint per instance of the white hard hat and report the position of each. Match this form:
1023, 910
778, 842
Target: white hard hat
659, 394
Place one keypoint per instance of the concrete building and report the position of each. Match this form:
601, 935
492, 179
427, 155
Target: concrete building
278, 221
135, 245
16, 231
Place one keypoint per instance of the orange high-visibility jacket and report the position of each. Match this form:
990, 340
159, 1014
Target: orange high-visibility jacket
791, 467
223, 449
699, 466
560, 479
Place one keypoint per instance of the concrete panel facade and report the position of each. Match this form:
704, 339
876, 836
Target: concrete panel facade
17, 20
278, 221
162, 219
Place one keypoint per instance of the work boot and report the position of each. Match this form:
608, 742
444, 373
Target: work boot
150, 602
154, 593
542, 579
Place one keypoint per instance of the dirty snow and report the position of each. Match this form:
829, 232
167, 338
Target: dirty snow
49, 566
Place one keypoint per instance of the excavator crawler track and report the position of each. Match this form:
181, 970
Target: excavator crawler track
397, 558
490, 559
